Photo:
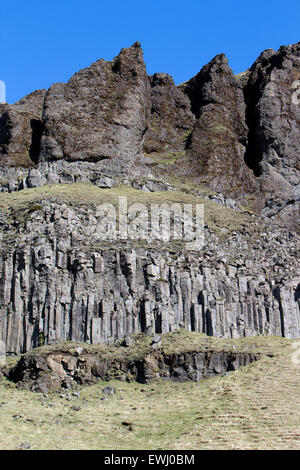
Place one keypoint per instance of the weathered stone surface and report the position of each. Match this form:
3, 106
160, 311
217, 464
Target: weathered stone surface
109, 390
171, 118
101, 113
218, 142
104, 182
111, 123
20, 130
273, 117
151, 186
238, 135
45, 373
35, 179
58, 282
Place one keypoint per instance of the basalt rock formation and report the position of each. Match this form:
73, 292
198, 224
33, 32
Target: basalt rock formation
231, 140
171, 118
237, 134
43, 373
218, 141
101, 113
273, 117
58, 280
20, 130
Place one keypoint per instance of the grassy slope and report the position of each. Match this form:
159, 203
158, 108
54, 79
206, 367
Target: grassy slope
22, 203
256, 407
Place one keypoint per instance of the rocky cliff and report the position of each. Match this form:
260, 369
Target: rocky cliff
229, 142
58, 280
191, 357
237, 134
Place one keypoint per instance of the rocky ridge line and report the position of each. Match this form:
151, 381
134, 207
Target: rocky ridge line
239, 135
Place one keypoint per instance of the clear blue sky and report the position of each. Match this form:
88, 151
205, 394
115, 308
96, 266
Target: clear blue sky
43, 42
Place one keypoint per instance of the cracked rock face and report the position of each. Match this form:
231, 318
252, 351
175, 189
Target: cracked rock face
231, 139
59, 282
218, 141
238, 135
20, 130
101, 113
274, 128
171, 118
45, 373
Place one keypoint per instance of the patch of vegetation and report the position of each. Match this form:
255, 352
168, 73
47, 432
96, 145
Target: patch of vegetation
34, 208
181, 341
246, 409
20, 178
167, 158
186, 135
216, 216
220, 129
17, 159
114, 353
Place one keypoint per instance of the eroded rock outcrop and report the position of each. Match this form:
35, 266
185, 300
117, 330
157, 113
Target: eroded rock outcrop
239, 135
20, 130
218, 142
58, 280
43, 373
101, 113
273, 117
171, 120
112, 124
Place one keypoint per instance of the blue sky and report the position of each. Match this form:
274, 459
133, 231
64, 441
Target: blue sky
47, 42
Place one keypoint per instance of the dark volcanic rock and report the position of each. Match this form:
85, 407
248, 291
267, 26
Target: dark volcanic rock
273, 117
59, 282
218, 142
239, 135
171, 118
44, 373
21, 129
112, 124
101, 113
109, 390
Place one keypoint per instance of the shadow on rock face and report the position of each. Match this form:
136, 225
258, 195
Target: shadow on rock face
35, 148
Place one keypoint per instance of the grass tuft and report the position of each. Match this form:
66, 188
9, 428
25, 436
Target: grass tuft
256, 407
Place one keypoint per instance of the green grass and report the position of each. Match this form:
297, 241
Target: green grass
256, 407
167, 158
20, 204
179, 341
